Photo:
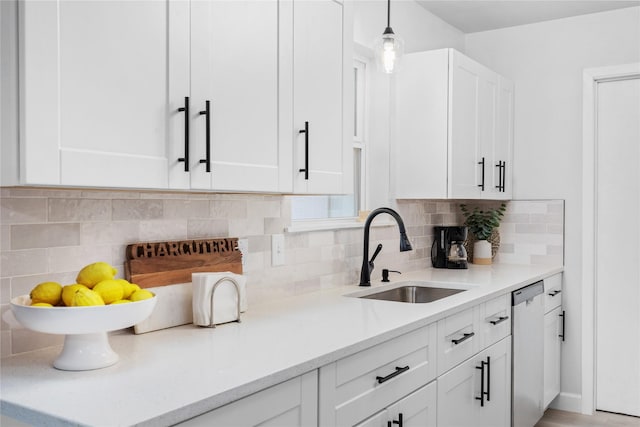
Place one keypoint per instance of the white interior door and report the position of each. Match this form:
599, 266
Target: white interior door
617, 246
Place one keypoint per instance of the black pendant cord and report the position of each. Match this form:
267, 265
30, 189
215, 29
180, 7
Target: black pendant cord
388, 13
388, 30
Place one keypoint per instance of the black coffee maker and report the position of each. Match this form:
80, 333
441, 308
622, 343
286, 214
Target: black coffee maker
448, 249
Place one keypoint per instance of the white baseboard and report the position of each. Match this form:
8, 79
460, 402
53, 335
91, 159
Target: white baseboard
569, 402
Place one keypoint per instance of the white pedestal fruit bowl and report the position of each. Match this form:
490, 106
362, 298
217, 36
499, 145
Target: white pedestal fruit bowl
86, 343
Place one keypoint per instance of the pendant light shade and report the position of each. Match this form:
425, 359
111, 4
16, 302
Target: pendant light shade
389, 48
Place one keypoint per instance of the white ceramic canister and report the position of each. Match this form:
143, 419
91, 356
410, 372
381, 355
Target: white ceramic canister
482, 252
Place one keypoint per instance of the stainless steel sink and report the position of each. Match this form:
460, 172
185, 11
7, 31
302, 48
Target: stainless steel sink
413, 294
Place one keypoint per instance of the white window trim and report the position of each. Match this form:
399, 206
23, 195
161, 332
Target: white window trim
304, 225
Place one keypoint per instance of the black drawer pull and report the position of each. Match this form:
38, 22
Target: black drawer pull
482, 392
187, 117
482, 185
397, 372
207, 113
464, 338
399, 421
554, 293
499, 320
306, 150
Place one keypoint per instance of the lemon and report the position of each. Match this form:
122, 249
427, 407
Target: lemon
127, 287
69, 291
140, 295
48, 292
86, 297
41, 304
95, 273
120, 301
110, 290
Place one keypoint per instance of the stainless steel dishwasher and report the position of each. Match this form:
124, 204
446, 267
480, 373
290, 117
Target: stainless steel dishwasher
528, 355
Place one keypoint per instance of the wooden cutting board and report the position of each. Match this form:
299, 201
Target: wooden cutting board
156, 264
165, 269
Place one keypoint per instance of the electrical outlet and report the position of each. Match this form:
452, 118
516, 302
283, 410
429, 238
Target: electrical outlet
277, 250
243, 246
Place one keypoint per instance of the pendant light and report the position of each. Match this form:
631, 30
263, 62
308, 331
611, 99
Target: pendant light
388, 48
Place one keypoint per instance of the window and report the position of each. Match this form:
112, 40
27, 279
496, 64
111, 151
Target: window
347, 206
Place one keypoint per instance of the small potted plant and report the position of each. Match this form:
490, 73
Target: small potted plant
481, 224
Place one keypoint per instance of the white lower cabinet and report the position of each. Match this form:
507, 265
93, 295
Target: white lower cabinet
359, 386
418, 409
478, 391
292, 403
553, 337
552, 354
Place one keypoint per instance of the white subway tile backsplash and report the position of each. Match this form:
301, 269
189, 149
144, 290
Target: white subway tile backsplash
73, 258
66, 229
161, 230
73, 209
44, 235
182, 209
129, 210
23, 211
23, 262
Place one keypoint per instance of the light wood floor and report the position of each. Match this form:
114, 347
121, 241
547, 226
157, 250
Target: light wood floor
555, 418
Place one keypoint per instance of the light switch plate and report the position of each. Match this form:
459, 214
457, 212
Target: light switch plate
277, 250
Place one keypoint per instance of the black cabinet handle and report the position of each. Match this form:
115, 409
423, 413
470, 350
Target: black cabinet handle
389, 424
499, 320
464, 338
554, 292
207, 114
488, 392
306, 150
499, 166
482, 185
481, 398
504, 176
400, 421
395, 373
563, 324
185, 109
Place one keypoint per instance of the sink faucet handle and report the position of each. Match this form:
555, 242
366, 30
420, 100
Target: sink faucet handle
375, 254
385, 274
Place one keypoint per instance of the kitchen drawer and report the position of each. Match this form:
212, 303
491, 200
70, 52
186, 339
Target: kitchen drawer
288, 404
458, 338
552, 292
357, 386
495, 320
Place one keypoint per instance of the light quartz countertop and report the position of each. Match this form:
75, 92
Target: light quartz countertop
168, 376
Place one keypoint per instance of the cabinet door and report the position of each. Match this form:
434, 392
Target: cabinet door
98, 91
503, 148
417, 409
473, 111
552, 354
235, 48
322, 95
292, 403
459, 390
465, 118
420, 144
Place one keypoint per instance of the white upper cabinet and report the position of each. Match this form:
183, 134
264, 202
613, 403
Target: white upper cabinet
96, 87
322, 97
454, 128
234, 69
206, 94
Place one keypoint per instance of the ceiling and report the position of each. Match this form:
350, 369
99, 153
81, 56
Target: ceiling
471, 16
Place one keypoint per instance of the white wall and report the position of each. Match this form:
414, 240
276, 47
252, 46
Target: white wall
546, 61
421, 30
